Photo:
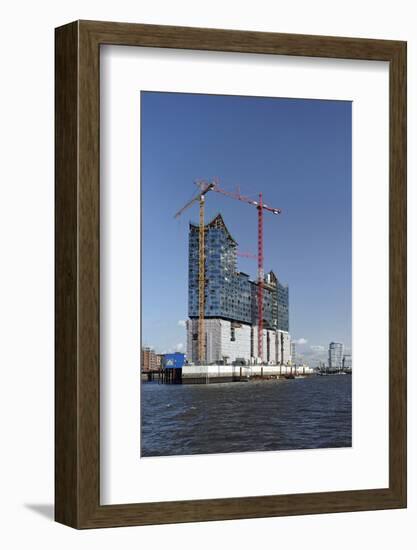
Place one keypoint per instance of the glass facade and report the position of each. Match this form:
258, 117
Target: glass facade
229, 294
283, 307
270, 309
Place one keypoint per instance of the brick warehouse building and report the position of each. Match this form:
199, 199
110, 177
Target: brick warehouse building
150, 361
231, 304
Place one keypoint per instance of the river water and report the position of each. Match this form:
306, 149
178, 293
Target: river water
305, 413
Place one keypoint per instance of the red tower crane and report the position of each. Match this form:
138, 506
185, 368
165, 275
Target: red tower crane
260, 206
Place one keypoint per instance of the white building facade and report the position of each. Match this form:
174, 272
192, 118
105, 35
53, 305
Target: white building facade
228, 342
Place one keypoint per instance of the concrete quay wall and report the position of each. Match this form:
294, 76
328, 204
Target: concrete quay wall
229, 373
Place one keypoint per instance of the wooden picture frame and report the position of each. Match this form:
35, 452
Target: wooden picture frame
77, 382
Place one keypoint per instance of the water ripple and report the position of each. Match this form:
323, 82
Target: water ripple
304, 413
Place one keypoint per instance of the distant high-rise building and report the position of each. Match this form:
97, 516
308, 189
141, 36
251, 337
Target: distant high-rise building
335, 355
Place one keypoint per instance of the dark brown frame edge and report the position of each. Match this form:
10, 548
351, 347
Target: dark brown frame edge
77, 274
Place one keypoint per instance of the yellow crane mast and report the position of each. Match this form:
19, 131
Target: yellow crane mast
204, 188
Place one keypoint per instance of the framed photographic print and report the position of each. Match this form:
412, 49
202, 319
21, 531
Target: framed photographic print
230, 274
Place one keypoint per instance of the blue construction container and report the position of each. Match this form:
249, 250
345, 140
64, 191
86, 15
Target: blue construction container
173, 360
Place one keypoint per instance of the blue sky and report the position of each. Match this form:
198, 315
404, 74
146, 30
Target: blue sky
298, 154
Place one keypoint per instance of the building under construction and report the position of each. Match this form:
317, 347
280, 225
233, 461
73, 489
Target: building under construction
231, 308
